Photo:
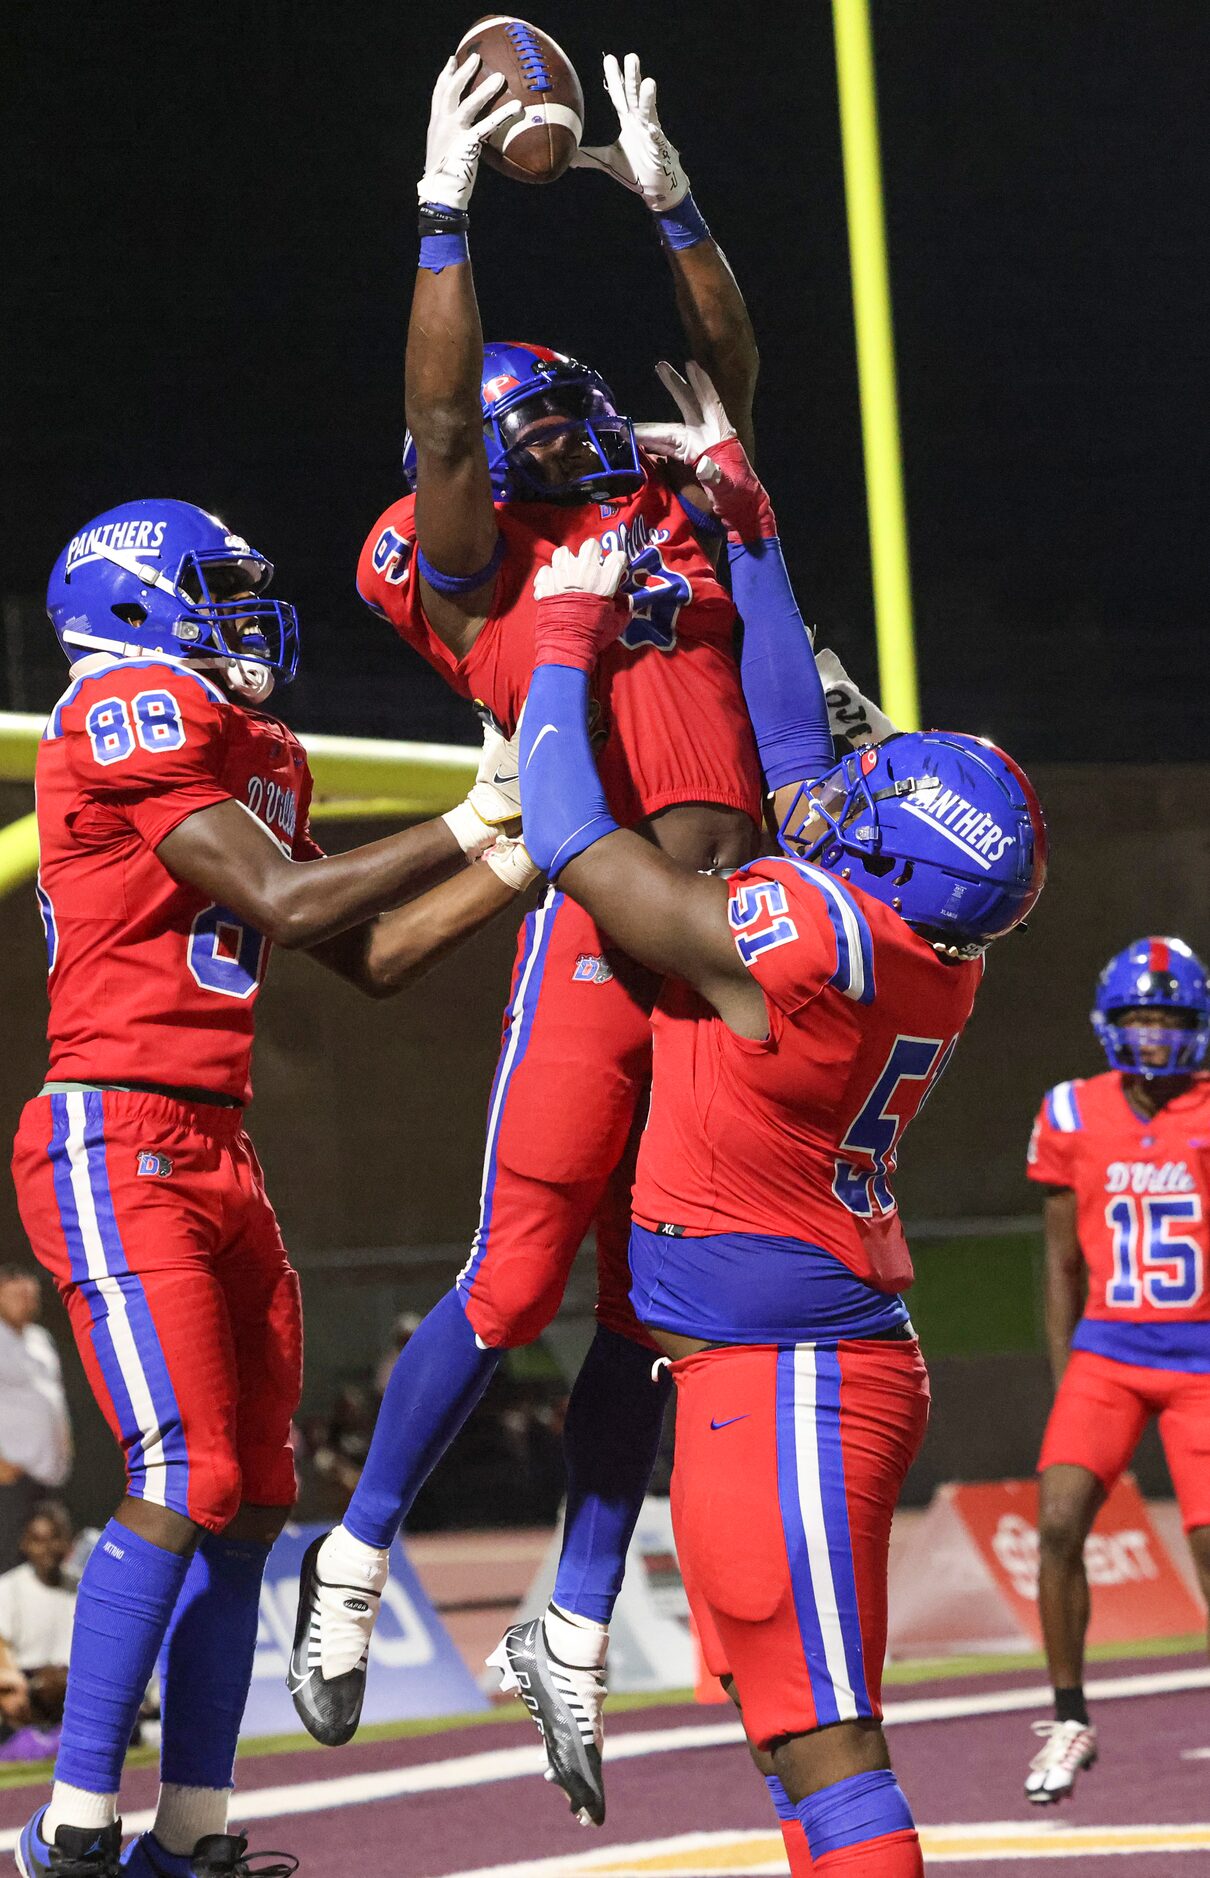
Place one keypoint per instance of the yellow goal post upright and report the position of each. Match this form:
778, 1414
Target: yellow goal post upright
356, 778
872, 322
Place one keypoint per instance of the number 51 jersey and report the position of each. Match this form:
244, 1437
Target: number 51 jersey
149, 982
796, 1136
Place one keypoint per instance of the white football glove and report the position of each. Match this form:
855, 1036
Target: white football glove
642, 159
510, 862
451, 156
705, 422
494, 799
852, 718
586, 572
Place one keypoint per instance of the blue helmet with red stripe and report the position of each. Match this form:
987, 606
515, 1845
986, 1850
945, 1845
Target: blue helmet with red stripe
525, 387
1154, 975
161, 576
944, 828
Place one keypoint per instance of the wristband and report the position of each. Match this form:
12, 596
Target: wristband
683, 226
436, 218
704, 520
469, 829
573, 628
455, 584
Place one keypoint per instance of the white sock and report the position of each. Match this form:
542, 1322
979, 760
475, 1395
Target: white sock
75, 1806
186, 1814
344, 1560
580, 1642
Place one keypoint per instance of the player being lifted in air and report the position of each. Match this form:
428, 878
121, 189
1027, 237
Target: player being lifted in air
810, 1003
511, 453
1125, 1160
175, 850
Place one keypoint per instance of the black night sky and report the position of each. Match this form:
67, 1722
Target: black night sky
211, 243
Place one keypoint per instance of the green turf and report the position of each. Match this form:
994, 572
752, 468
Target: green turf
923, 1669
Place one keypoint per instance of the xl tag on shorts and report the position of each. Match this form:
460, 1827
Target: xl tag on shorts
157, 1166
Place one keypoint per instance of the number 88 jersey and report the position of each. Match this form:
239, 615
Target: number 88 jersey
148, 981
1142, 1187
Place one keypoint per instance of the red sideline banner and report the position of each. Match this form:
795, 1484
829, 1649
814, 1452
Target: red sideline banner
967, 1578
1137, 1591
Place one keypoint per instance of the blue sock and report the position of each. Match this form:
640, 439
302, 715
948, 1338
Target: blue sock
610, 1441
124, 1606
206, 1666
865, 1806
438, 1377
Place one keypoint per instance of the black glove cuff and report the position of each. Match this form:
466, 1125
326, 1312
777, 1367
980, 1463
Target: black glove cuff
437, 219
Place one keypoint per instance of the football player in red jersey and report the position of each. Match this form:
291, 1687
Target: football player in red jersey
1125, 1161
175, 850
811, 1003
512, 454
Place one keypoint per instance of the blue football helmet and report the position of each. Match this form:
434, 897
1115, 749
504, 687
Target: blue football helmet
942, 827
1154, 975
522, 383
156, 576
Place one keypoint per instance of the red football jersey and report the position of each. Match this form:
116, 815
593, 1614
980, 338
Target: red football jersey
1142, 1191
670, 724
797, 1136
148, 981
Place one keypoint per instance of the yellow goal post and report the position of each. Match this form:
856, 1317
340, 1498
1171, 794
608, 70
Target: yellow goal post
355, 778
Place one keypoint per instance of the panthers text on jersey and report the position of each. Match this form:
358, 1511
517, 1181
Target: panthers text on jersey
1142, 1187
670, 721
150, 982
797, 1136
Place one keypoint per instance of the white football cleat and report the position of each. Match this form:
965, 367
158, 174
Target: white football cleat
1067, 1749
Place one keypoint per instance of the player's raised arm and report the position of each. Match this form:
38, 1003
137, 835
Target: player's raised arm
711, 306
663, 914
457, 539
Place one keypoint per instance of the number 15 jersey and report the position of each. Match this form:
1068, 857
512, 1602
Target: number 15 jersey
1142, 1187
796, 1136
150, 982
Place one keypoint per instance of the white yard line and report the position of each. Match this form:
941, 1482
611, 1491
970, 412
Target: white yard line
496, 1764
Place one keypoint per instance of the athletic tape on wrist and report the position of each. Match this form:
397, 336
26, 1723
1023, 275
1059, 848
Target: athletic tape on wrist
461, 583
438, 251
684, 226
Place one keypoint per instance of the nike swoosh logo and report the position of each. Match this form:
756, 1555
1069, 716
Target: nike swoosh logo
728, 1422
547, 730
502, 782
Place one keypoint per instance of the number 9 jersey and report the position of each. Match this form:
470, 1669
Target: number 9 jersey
1142, 1187
150, 983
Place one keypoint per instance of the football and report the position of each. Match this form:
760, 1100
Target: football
537, 146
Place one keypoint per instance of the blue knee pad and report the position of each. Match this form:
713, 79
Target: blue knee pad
865, 1806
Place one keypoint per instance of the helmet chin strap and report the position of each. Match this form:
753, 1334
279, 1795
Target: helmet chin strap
247, 678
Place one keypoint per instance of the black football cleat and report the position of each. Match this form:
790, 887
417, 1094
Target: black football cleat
77, 1852
327, 1673
566, 1704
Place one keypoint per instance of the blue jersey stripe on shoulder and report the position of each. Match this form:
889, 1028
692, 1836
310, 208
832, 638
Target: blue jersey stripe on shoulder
1063, 1109
854, 975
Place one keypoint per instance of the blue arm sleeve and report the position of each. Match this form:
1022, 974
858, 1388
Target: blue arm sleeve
563, 808
782, 688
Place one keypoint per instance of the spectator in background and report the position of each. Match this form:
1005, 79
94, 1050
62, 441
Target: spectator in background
37, 1610
35, 1433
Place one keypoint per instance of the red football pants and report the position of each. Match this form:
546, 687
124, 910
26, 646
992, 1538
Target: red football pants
1101, 1410
788, 1466
573, 1075
152, 1218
